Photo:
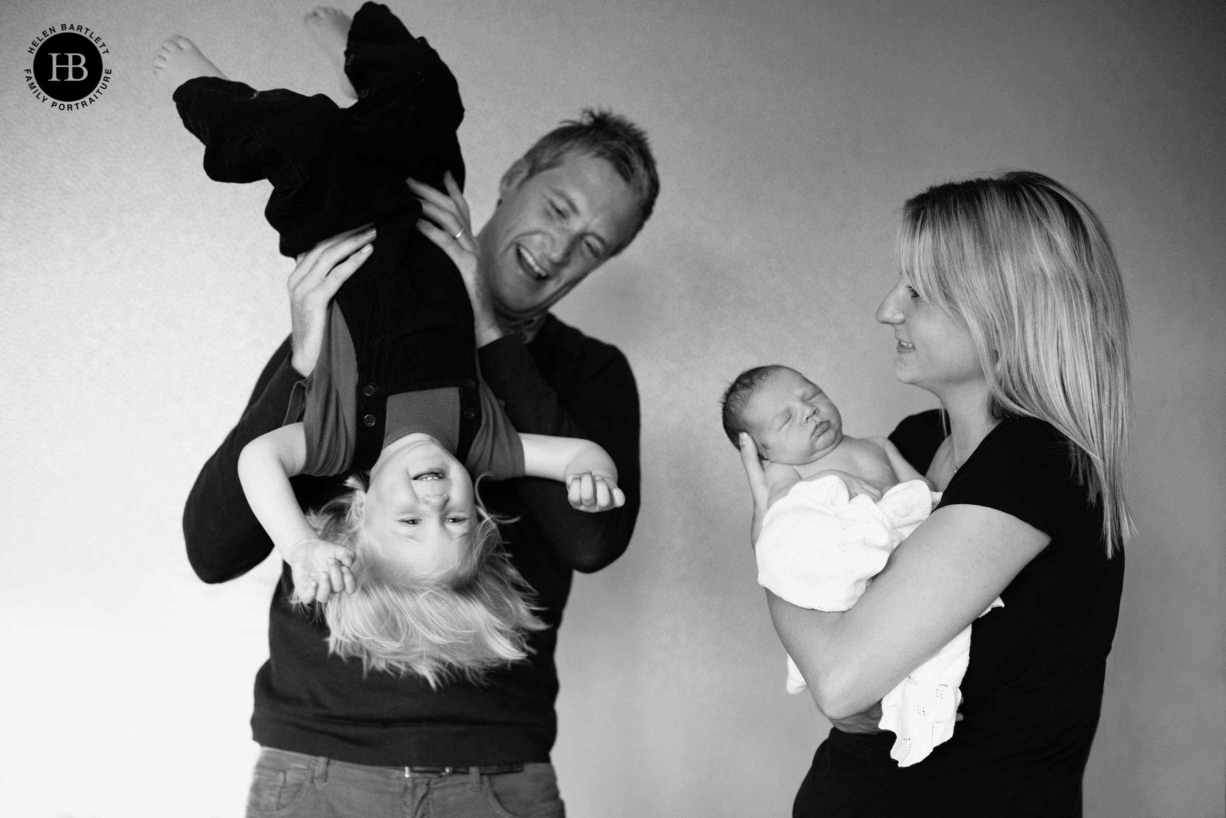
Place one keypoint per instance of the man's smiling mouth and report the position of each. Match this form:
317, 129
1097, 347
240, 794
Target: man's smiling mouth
529, 264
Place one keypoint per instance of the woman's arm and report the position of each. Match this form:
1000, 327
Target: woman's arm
587, 470
936, 583
265, 465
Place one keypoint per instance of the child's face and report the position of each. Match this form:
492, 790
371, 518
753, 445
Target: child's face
792, 420
419, 508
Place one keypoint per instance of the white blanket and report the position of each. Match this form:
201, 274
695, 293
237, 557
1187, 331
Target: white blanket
819, 549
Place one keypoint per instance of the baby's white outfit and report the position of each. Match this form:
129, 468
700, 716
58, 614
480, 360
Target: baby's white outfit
820, 548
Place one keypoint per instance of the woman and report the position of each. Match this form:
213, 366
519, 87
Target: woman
1010, 309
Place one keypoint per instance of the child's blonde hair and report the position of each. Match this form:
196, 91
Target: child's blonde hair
465, 622
1028, 265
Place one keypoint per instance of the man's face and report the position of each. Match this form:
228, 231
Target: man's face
551, 229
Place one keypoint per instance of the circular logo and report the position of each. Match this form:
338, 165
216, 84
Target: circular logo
68, 67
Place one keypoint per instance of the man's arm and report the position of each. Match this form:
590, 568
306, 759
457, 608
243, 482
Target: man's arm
319, 568
224, 539
598, 402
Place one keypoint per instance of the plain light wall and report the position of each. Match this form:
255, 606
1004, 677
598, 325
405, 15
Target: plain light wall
139, 301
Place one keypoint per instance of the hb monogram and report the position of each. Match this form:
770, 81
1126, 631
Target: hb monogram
72, 64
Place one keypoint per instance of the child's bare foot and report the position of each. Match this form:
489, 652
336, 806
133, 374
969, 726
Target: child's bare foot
178, 60
330, 30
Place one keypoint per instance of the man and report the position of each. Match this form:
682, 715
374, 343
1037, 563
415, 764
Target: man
334, 739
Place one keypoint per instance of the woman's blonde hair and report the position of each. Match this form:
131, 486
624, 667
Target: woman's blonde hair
1027, 264
465, 622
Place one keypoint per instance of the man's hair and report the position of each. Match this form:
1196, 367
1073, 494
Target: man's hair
1028, 266
737, 395
465, 622
608, 136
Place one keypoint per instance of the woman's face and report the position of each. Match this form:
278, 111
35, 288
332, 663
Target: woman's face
934, 349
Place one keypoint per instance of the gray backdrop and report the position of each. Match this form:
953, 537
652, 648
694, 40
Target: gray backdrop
140, 299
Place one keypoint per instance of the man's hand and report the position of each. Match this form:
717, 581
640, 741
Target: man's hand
317, 276
591, 492
447, 223
320, 569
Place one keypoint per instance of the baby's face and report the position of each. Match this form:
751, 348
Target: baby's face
420, 507
792, 420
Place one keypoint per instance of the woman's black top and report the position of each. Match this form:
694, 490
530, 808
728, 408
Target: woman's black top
1033, 691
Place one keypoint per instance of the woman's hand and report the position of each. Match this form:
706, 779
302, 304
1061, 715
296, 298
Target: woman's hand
446, 222
592, 493
865, 722
317, 276
758, 488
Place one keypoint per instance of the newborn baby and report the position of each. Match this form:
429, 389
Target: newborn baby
820, 546
799, 433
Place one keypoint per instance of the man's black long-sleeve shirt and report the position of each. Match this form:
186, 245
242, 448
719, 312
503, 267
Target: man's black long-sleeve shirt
561, 383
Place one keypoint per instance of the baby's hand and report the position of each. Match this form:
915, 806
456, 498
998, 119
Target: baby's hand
591, 492
320, 569
855, 485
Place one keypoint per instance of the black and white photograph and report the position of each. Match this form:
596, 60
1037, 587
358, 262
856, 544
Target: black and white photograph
440, 409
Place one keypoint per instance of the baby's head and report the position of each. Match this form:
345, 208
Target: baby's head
790, 419
435, 593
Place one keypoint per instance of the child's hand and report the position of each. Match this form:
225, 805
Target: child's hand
320, 569
593, 492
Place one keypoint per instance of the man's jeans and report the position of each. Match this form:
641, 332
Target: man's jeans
302, 786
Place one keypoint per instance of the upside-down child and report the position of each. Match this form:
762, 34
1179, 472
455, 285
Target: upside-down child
820, 546
407, 563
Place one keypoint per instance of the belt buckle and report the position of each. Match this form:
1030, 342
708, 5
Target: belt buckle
442, 772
